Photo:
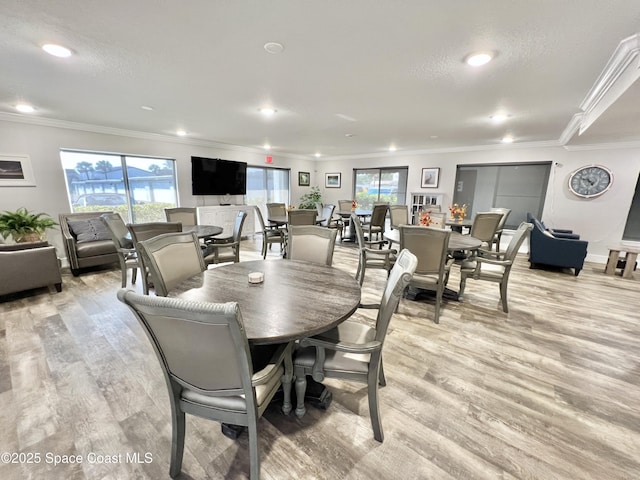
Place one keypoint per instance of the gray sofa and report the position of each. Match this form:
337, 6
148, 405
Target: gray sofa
24, 266
87, 241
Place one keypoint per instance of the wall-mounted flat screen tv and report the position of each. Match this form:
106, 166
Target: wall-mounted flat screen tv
214, 176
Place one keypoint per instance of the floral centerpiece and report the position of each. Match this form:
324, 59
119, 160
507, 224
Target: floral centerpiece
354, 204
458, 212
424, 219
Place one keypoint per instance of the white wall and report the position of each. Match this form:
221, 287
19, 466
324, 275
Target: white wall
600, 221
43, 144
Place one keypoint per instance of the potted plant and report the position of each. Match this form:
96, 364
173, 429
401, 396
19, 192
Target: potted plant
309, 200
24, 226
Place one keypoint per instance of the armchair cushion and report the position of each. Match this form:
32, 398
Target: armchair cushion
89, 230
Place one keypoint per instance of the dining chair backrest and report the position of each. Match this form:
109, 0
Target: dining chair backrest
276, 210
311, 243
171, 258
399, 215
505, 214
302, 216
319, 207
485, 225
145, 231
437, 219
184, 215
260, 218
398, 280
428, 244
344, 205
118, 230
327, 214
516, 241
378, 217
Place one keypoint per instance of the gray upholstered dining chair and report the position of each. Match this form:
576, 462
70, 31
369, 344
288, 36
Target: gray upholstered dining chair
430, 246
311, 243
171, 258
437, 219
368, 257
494, 266
375, 224
184, 215
498, 235
399, 215
345, 205
302, 216
330, 220
270, 235
353, 350
484, 227
205, 357
124, 245
226, 249
145, 231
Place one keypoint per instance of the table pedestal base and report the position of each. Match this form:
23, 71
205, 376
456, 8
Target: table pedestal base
415, 293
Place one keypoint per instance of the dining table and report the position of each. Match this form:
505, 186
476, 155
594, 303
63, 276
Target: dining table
203, 231
346, 214
295, 300
281, 220
458, 225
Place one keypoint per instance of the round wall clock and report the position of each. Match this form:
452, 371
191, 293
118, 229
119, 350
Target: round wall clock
590, 181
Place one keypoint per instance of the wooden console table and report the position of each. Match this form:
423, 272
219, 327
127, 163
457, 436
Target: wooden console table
631, 255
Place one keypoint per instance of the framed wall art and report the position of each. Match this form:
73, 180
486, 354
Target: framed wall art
430, 177
304, 179
332, 180
15, 171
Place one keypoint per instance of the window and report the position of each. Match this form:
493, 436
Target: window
380, 185
139, 188
518, 186
632, 228
267, 185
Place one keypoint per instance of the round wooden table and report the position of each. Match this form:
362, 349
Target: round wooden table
457, 241
203, 231
296, 299
458, 225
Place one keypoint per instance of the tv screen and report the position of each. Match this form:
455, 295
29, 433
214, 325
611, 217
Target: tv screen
214, 176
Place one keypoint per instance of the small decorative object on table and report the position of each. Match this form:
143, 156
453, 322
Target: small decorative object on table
458, 212
354, 205
424, 219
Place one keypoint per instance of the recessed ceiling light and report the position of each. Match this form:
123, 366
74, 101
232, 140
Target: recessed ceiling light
507, 139
56, 50
267, 111
181, 133
499, 117
433, 137
317, 155
24, 108
478, 59
392, 148
274, 48
349, 135
147, 108
266, 146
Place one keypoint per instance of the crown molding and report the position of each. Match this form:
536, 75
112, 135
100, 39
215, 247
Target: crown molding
621, 71
603, 146
570, 130
85, 127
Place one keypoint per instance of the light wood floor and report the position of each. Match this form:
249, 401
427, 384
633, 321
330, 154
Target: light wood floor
549, 391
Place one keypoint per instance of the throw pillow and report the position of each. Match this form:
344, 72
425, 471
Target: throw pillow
89, 230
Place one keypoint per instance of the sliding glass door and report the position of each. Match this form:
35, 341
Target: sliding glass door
380, 185
267, 185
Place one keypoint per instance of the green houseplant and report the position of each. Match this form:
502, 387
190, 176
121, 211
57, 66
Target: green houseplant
309, 200
24, 226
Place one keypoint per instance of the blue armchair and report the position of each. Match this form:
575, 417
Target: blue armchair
545, 248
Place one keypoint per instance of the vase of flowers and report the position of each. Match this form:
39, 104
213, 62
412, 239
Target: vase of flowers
458, 212
354, 205
424, 219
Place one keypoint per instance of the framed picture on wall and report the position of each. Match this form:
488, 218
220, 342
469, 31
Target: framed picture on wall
332, 180
304, 179
15, 171
430, 177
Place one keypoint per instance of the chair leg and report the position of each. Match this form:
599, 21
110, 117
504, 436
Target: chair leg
374, 407
287, 378
264, 248
254, 449
301, 389
134, 274
177, 442
381, 380
463, 284
438, 302
503, 296
124, 275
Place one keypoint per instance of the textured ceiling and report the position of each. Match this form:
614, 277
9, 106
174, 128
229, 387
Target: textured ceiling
387, 72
